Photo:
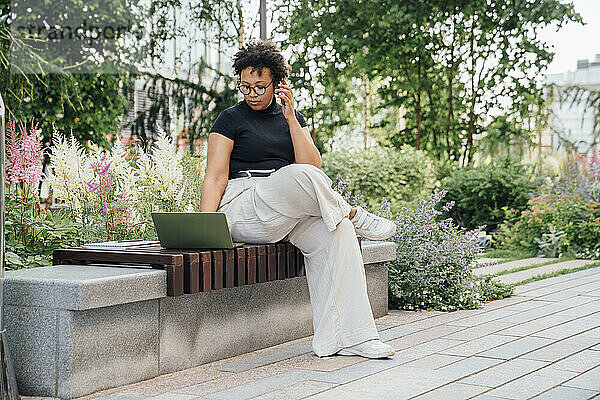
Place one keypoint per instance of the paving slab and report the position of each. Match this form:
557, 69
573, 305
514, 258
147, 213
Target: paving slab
480, 330
422, 336
434, 361
579, 362
504, 372
484, 317
571, 328
266, 357
479, 345
536, 325
516, 347
588, 380
296, 391
495, 268
564, 393
546, 269
394, 383
566, 280
471, 365
532, 384
453, 391
536, 289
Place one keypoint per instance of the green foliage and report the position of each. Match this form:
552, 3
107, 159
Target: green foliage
550, 242
432, 59
571, 213
32, 233
482, 194
401, 176
88, 105
432, 269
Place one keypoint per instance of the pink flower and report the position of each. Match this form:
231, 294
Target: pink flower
23, 154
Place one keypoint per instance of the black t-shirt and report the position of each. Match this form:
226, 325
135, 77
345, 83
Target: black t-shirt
261, 138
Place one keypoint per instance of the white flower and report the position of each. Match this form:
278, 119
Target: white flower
71, 169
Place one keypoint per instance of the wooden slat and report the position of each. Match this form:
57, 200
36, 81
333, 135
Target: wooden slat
240, 266
261, 263
299, 263
271, 262
191, 268
229, 267
205, 271
117, 256
191, 272
174, 279
251, 268
290, 255
217, 269
281, 260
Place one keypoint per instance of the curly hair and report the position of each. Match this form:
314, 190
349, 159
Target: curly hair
258, 55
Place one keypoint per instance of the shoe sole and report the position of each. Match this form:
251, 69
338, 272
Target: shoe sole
353, 352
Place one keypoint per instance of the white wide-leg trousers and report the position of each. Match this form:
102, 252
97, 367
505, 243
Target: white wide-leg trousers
297, 203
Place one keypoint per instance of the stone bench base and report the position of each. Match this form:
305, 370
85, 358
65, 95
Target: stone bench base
75, 330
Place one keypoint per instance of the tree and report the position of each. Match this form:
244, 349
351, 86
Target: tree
451, 65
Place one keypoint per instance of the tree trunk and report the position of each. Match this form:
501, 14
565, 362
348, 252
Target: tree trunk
438, 153
419, 105
241, 28
367, 112
473, 100
450, 77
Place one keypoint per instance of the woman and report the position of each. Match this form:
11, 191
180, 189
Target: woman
263, 172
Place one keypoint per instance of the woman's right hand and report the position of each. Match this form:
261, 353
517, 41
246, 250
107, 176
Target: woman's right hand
217, 171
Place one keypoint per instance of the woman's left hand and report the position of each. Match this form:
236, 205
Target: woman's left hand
285, 95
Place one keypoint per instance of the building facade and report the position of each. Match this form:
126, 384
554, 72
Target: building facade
571, 124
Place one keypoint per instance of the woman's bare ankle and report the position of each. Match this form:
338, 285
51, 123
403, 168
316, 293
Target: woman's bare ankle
352, 213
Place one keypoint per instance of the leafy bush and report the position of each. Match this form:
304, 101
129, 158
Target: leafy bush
401, 176
482, 193
570, 204
112, 194
567, 212
32, 233
432, 269
105, 195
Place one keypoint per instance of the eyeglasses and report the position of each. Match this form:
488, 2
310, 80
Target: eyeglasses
258, 89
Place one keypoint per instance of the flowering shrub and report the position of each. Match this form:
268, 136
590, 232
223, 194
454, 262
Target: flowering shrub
31, 232
571, 205
111, 195
432, 269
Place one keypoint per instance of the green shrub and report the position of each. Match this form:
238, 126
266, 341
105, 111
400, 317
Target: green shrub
401, 176
432, 269
570, 205
482, 194
570, 213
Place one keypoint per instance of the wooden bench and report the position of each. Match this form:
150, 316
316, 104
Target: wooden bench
200, 270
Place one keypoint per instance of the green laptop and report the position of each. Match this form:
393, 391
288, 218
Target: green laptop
193, 230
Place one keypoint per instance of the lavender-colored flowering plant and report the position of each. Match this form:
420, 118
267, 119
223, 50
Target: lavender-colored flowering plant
432, 269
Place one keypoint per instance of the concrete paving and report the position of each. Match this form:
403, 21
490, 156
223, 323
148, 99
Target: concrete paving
489, 266
546, 269
542, 343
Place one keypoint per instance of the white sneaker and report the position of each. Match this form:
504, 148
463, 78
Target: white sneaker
374, 348
371, 226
